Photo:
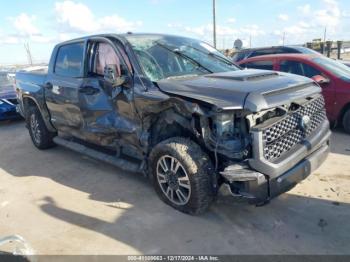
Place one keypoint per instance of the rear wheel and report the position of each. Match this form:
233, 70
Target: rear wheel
346, 121
40, 135
181, 174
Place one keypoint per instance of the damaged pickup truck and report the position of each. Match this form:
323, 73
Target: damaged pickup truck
177, 110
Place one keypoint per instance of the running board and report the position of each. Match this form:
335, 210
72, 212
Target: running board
118, 162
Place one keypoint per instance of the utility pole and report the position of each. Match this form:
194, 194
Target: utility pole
324, 39
29, 53
284, 37
214, 24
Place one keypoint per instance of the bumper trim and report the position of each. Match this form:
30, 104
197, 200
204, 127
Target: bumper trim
264, 188
240, 172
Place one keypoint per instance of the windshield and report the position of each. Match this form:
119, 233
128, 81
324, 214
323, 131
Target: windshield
164, 57
340, 70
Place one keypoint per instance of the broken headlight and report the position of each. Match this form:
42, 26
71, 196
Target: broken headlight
229, 134
223, 124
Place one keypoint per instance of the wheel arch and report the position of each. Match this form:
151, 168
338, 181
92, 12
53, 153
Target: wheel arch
342, 113
28, 102
173, 124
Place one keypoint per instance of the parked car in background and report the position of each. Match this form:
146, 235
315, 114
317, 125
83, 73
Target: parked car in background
8, 100
331, 75
252, 52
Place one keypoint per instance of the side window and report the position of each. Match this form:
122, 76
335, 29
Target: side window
310, 71
292, 67
69, 60
105, 55
264, 65
299, 68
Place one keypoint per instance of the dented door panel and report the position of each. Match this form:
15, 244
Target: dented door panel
108, 113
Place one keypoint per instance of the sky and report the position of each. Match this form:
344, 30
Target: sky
42, 24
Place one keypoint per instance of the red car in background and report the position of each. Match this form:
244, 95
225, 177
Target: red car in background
332, 76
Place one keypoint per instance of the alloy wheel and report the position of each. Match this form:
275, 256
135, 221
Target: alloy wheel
173, 180
34, 126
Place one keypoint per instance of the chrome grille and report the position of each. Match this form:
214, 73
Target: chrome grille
285, 134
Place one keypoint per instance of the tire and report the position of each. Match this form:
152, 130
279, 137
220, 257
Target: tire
40, 135
190, 174
346, 121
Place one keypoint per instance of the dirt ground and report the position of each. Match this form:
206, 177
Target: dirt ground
65, 203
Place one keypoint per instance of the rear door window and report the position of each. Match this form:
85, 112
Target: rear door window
292, 67
69, 60
264, 65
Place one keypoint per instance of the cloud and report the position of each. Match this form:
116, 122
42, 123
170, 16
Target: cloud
207, 30
78, 18
24, 25
346, 14
231, 20
283, 17
305, 9
225, 34
75, 16
175, 25
9, 40
313, 21
117, 23
72, 19
330, 15
252, 30
24, 30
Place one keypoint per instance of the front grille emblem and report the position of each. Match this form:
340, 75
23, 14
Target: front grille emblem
305, 122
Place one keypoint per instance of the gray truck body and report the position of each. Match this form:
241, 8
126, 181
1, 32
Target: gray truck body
281, 133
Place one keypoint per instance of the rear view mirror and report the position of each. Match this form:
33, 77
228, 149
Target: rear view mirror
111, 75
320, 79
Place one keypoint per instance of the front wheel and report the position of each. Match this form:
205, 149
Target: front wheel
181, 174
40, 135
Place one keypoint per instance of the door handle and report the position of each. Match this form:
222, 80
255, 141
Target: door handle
89, 90
48, 85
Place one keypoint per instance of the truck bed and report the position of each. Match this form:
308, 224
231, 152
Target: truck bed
23, 79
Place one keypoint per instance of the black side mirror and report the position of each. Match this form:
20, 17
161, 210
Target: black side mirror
112, 76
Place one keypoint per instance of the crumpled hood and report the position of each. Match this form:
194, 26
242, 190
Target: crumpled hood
7, 92
242, 89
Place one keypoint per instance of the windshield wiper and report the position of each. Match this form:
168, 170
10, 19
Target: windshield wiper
179, 53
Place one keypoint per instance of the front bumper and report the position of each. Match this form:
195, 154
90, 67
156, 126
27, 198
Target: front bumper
260, 188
